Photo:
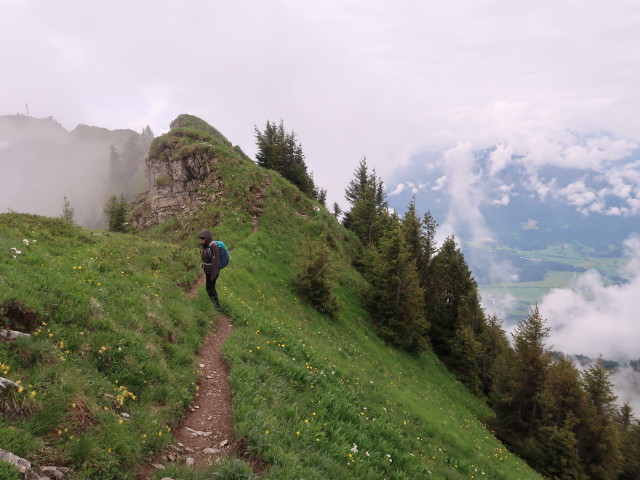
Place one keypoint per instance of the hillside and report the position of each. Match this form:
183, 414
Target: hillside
314, 398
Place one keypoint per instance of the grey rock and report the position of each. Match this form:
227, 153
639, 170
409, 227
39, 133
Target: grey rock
53, 472
22, 464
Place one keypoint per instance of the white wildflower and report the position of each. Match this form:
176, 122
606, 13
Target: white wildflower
25, 241
354, 448
366, 453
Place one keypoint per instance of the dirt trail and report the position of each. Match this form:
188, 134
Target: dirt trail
206, 432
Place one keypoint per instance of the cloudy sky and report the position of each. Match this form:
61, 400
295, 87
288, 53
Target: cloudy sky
376, 78
383, 79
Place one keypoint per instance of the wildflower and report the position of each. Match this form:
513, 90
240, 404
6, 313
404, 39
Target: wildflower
25, 241
32, 394
354, 448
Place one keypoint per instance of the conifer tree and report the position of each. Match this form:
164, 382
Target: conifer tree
520, 379
394, 297
337, 211
67, 210
357, 184
315, 276
322, 197
554, 448
599, 439
368, 213
494, 343
116, 212
630, 448
412, 230
452, 298
280, 150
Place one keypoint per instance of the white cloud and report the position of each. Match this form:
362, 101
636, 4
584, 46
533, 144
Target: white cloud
399, 189
500, 158
593, 318
498, 304
503, 201
440, 183
626, 386
398, 79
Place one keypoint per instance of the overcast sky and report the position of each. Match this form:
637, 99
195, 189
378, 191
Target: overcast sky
376, 78
382, 79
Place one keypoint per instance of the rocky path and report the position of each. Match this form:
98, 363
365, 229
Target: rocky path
206, 432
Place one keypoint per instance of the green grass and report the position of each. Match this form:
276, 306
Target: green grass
527, 293
112, 333
314, 397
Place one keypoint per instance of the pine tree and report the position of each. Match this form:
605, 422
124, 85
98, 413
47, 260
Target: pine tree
562, 404
368, 214
429, 226
630, 448
394, 297
314, 281
321, 195
358, 183
337, 211
412, 230
67, 211
452, 298
116, 212
520, 379
599, 438
280, 151
494, 344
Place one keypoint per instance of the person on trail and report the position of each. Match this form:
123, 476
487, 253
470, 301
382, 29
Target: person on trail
210, 264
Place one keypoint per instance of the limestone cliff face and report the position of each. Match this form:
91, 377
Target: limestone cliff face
180, 171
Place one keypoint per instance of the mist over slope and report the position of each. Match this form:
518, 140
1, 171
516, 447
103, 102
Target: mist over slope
42, 162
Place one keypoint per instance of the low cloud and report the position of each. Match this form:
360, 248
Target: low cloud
398, 190
593, 318
626, 386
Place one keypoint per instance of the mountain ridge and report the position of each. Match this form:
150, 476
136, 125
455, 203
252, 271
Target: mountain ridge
313, 397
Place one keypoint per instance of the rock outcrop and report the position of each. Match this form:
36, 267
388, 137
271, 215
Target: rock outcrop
180, 171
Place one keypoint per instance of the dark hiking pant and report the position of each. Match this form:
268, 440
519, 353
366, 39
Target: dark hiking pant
211, 290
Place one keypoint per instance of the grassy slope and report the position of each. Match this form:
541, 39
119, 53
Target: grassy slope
316, 398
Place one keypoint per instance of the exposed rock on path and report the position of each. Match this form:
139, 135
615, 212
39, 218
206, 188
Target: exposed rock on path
207, 428
206, 432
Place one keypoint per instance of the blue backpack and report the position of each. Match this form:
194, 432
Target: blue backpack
224, 254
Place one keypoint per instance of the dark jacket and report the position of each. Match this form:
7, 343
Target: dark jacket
210, 255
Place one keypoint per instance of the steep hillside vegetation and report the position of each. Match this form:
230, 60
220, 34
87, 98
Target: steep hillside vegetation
314, 397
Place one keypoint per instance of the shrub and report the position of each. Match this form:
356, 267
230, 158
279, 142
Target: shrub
314, 280
164, 181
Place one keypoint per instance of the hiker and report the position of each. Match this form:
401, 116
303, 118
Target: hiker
210, 264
